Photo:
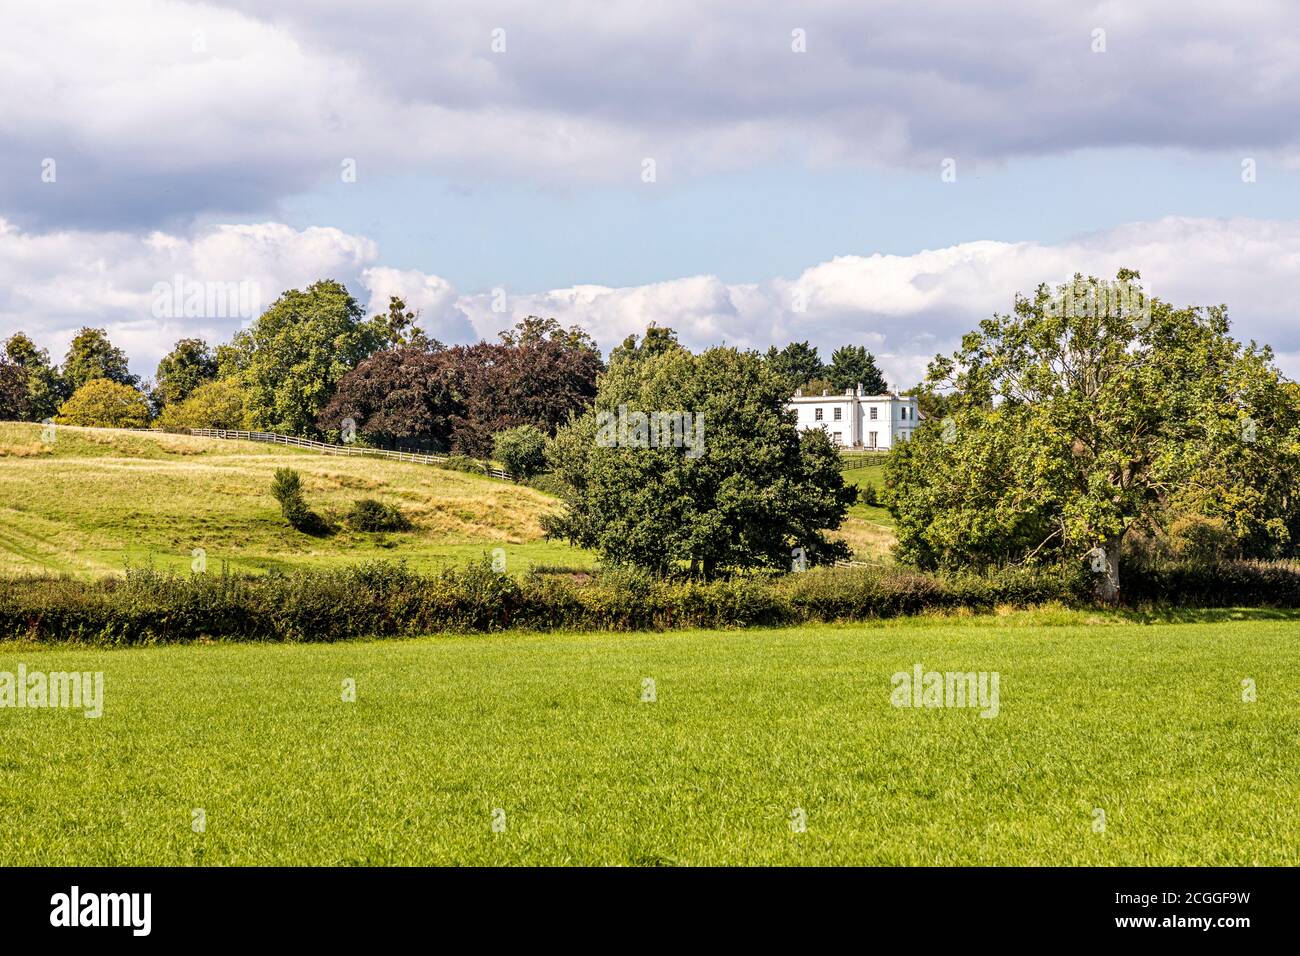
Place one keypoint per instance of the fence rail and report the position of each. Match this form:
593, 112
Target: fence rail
419, 457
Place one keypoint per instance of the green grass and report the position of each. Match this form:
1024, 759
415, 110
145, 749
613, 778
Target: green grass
95, 500
1145, 721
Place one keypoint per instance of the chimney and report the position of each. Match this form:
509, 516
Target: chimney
859, 389
825, 392
798, 393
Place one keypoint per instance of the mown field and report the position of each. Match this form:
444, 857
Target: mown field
94, 500
1142, 720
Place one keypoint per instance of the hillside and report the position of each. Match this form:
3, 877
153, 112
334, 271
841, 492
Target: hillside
95, 500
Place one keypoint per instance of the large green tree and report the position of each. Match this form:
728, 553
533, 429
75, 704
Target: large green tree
718, 479
290, 359
853, 365
798, 364
188, 365
45, 388
1080, 417
90, 356
103, 403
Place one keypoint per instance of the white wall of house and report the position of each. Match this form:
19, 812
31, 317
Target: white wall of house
854, 420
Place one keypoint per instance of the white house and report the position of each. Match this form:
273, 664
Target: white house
854, 420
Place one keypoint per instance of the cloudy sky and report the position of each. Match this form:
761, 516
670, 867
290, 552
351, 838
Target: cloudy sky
748, 173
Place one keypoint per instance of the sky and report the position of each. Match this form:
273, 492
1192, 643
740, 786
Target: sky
884, 174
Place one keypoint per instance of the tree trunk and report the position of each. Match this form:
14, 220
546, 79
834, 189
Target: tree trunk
1107, 569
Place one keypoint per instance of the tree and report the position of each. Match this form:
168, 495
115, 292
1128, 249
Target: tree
90, 356
521, 450
103, 403
538, 374
14, 393
404, 395
219, 404
1077, 419
188, 365
853, 365
656, 341
45, 390
798, 364
292, 357
286, 487
715, 476
400, 329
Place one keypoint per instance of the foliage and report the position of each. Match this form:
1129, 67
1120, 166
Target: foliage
190, 364
15, 395
521, 450
292, 357
403, 395
286, 487
798, 364
105, 404
853, 365
388, 599
45, 389
367, 514
1085, 415
217, 404
90, 356
740, 487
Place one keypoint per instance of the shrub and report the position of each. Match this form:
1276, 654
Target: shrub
465, 463
219, 404
868, 496
521, 450
387, 599
367, 514
103, 403
286, 486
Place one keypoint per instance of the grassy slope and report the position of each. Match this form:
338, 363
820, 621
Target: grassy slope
96, 499
868, 530
1146, 722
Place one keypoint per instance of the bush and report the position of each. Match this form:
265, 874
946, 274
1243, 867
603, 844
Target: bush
465, 463
367, 514
386, 599
103, 403
219, 404
521, 450
868, 496
286, 486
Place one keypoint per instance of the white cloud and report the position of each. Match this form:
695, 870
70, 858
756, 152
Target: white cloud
903, 307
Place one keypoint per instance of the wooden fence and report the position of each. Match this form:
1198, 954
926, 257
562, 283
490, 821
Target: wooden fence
325, 448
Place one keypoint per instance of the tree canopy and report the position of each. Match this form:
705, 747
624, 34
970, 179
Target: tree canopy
1085, 415
189, 364
90, 356
104, 403
715, 477
294, 354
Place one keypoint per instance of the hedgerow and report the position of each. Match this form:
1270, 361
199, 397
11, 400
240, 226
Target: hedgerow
388, 599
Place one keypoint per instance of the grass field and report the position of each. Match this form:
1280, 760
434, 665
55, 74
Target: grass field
94, 500
1143, 721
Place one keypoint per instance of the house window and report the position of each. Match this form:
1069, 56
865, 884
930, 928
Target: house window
873, 413
839, 437
837, 414
902, 413
817, 415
